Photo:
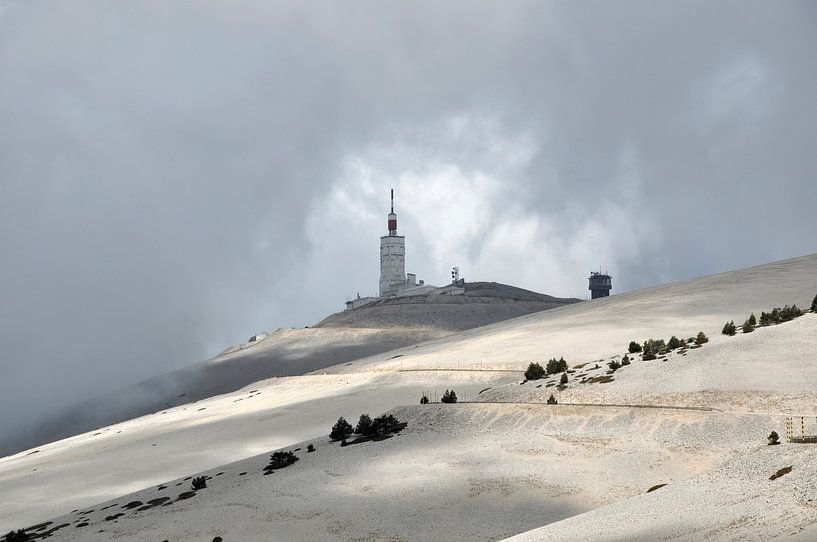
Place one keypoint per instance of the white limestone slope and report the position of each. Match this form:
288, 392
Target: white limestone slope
603, 327
458, 472
479, 463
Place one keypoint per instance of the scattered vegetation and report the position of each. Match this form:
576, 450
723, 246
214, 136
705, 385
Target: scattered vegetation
625, 360
535, 371
279, 460
18, 536
701, 338
773, 438
747, 327
729, 328
341, 430
449, 397
424, 399
563, 380
552, 400
779, 473
752, 320
614, 366
634, 347
554, 367
648, 356
778, 315
674, 342
199, 482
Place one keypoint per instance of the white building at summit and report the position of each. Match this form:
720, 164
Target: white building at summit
394, 281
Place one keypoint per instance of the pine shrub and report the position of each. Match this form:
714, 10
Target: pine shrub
424, 399
729, 328
18, 536
386, 424
701, 338
449, 397
199, 482
773, 438
555, 366
648, 356
655, 347
364, 426
279, 460
614, 365
752, 320
814, 304
552, 400
674, 342
310, 448
341, 430
625, 360
535, 371
748, 327
634, 347
563, 380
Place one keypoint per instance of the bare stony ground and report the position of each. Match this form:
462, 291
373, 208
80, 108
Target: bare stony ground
692, 427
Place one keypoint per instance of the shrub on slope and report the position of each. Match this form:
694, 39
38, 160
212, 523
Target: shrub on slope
449, 397
341, 430
535, 371
729, 328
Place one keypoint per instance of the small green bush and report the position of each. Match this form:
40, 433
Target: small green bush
648, 356
341, 430
729, 328
748, 327
674, 342
563, 380
535, 371
773, 438
625, 360
279, 460
614, 365
386, 424
752, 320
199, 482
449, 397
364, 426
701, 338
634, 347
310, 448
424, 399
655, 346
552, 400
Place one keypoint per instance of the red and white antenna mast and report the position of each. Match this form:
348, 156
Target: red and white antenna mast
392, 217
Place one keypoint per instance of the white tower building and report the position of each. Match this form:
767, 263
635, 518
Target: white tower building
392, 257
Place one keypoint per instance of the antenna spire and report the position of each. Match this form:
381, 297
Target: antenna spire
392, 200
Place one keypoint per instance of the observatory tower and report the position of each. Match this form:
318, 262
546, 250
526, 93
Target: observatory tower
600, 284
392, 257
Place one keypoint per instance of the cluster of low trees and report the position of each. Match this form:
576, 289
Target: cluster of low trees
652, 348
366, 427
535, 371
16, 536
773, 317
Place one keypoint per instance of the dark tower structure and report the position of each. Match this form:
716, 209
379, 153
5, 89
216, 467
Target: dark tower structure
600, 284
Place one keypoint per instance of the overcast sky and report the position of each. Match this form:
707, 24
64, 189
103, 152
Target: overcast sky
178, 175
